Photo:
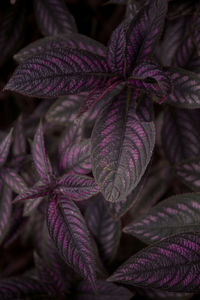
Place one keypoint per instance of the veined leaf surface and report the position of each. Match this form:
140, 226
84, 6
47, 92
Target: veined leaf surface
69, 232
186, 88
122, 146
70, 40
76, 187
5, 147
41, 160
171, 264
59, 72
180, 126
53, 17
5, 209
106, 231
76, 158
174, 215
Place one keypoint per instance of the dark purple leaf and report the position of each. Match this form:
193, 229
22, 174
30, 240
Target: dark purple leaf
65, 109
69, 232
41, 160
189, 173
117, 210
153, 189
5, 147
46, 276
70, 41
186, 88
32, 193
76, 158
122, 146
19, 140
162, 295
17, 225
174, 215
106, 291
20, 288
53, 17
132, 9
13, 180
173, 35
76, 187
71, 135
180, 9
12, 30
117, 49
59, 72
106, 231
150, 77
31, 205
5, 210
180, 135
172, 265
196, 35
185, 56
63, 275
144, 32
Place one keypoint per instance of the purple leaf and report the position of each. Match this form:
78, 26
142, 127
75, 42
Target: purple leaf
31, 205
65, 109
5, 210
117, 49
17, 225
70, 41
106, 231
122, 146
32, 193
62, 274
59, 72
174, 215
187, 56
53, 17
144, 32
172, 265
76, 158
173, 35
180, 126
106, 291
189, 173
76, 187
12, 30
153, 189
46, 276
5, 147
71, 135
117, 210
69, 232
13, 180
41, 160
150, 77
162, 295
180, 9
19, 140
18, 288
186, 88
132, 9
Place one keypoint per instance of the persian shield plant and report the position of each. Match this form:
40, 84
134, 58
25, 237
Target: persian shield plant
100, 182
